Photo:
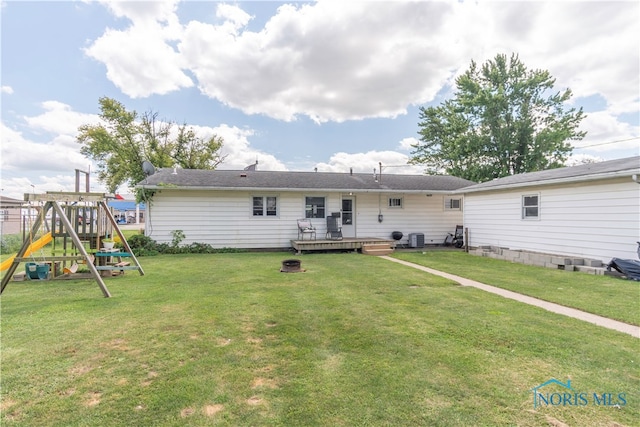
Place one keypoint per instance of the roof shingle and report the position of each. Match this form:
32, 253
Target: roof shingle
567, 174
291, 181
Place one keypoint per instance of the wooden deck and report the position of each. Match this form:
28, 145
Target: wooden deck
345, 244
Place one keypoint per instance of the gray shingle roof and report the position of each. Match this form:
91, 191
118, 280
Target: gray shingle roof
586, 172
291, 181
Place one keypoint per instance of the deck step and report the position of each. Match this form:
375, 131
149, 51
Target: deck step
377, 249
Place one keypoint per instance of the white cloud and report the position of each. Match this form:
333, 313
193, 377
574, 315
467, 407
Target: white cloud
48, 166
140, 60
337, 61
19, 153
60, 119
237, 149
7, 89
143, 11
406, 143
327, 60
606, 133
392, 163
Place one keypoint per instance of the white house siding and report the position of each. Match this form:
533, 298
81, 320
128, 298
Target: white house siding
419, 214
598, 220
224, 218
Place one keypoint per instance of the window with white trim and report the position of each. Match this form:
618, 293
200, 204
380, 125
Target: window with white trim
530, 206
395, 202
314, 207
4, 215
265, 206
452, 204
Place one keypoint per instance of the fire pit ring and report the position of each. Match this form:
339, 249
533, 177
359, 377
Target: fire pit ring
291, 266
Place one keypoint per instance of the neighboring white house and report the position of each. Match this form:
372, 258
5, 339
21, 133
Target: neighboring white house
260, 209
590, 211
10, 215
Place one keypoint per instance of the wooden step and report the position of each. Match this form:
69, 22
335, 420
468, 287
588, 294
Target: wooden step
377, 249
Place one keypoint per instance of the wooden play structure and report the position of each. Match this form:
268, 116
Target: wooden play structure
77, 224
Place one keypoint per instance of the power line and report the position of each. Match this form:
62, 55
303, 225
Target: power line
607, 143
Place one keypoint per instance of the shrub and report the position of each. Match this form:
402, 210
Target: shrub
10, 243
142, 245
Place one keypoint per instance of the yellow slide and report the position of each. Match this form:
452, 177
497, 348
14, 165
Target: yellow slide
38, 244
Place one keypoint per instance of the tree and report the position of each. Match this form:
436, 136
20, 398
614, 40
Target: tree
503, 120
121, 143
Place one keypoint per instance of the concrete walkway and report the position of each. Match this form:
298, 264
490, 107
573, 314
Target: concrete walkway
549, 306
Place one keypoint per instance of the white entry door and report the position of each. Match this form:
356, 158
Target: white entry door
348, 216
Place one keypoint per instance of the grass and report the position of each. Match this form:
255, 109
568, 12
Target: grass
226, 339
606, 296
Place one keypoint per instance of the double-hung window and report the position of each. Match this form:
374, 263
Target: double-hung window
530, 206
265, 206
451, 204
314, 207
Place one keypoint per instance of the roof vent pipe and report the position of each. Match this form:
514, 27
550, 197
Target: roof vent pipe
351, 171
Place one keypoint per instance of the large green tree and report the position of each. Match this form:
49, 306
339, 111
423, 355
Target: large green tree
503, 120
123, 140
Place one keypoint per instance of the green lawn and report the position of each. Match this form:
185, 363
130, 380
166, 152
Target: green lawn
606, 296
226, 339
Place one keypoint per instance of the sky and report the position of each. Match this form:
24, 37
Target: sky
299, 86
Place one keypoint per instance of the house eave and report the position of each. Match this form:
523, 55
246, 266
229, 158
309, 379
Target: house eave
554, 181
293, 190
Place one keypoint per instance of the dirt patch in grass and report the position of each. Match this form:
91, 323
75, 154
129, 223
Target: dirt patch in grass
221, 342
150, 376
6, 404
10, 416
555, 422
80, 370
434, 402
263, 383
254, 340
332, 363
93, 399
186, 412
67, 392
212, 410
116, 344
255, 401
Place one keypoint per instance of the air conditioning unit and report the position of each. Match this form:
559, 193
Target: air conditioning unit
416, 240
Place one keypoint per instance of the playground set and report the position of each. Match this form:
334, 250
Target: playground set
80, 227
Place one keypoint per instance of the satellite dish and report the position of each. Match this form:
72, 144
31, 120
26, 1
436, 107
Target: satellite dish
148, 168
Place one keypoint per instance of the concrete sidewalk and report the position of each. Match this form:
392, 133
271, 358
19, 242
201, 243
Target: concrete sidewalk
555, 308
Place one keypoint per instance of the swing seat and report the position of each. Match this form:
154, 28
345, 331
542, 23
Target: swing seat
72, 269
37, 271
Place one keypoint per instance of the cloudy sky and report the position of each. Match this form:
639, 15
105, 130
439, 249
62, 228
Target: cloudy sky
297, 86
